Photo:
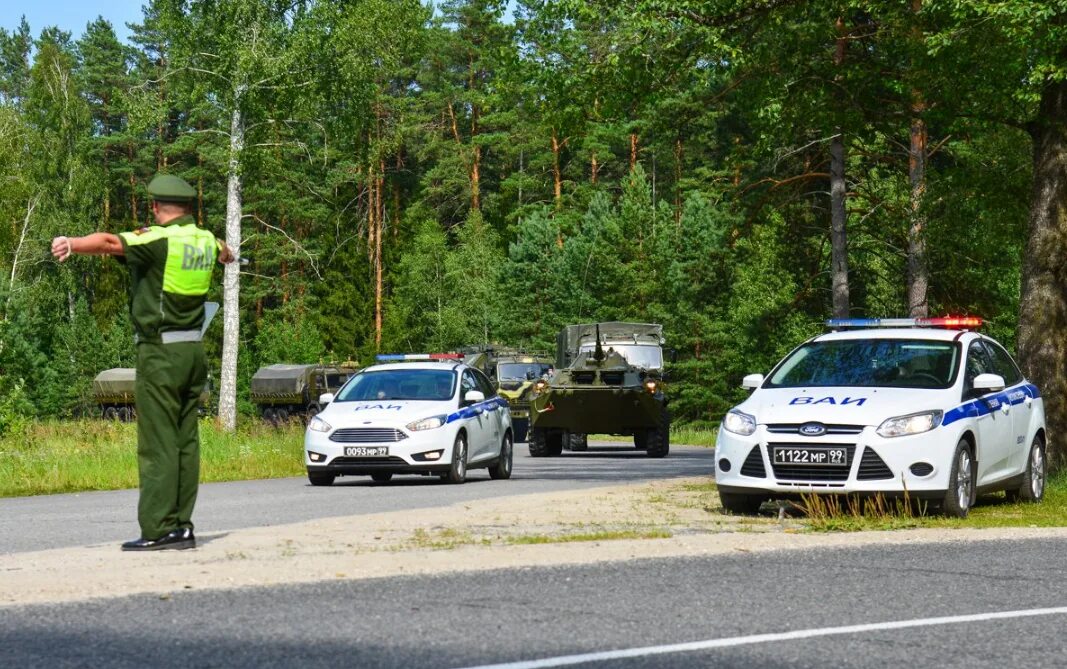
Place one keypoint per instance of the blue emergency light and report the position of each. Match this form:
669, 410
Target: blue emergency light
949, 322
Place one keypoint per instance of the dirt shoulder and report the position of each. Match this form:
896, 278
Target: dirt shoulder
663, 519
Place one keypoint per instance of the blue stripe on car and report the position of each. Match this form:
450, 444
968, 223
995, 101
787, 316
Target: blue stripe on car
980, 407
472, 410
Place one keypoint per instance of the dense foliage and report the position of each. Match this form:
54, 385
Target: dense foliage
420, 178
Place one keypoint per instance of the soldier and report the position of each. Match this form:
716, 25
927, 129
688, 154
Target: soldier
170, 268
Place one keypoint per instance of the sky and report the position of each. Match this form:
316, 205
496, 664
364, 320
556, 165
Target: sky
70, 15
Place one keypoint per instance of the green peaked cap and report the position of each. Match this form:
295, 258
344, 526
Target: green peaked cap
170, 188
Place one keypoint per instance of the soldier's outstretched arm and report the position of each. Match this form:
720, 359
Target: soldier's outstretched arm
225, 253
96, 244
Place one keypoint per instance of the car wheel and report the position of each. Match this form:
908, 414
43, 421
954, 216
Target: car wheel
321, 478
659, 437
577, 442
1032, 489
501, 469
734, 502
457, 472
961, 491
381, 478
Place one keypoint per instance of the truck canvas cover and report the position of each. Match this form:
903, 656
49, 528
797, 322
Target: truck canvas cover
572, 336
280, 380
115, 383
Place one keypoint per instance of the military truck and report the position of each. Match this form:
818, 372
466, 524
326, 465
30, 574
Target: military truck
281, 392
114, 391
609, 380
514, 372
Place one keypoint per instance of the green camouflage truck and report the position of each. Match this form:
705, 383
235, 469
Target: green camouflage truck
114, 391
609, 380
514, 372
281, 392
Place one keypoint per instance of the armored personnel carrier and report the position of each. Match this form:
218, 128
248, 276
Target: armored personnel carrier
609, 381
284, 391
114, 391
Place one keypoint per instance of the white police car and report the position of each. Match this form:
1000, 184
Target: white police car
428, 414
923, 405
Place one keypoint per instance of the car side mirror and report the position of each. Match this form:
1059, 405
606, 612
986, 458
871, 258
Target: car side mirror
988, 383
473, 397
752, 381
325, 398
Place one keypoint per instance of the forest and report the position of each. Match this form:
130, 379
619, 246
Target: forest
407, 177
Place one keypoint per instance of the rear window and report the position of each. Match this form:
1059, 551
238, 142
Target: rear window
889, 363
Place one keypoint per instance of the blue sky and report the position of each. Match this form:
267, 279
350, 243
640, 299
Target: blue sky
70, 15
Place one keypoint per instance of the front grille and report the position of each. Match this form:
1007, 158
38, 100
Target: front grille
753, 465
872, 467
379, 460
367, 435
794, 428
612, 378
519, 406
811, 472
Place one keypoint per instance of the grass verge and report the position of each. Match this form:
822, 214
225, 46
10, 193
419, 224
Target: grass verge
72, 456
823, 513
679, 435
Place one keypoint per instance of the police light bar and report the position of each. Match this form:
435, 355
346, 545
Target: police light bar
410, 357
950, 322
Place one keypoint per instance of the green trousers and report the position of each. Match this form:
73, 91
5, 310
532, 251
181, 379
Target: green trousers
170, 378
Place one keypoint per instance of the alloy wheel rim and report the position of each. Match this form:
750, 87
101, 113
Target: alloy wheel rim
507, 454
461, 457
963, 480
1037, 471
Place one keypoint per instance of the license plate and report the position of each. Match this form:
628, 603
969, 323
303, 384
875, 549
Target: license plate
519, 414
834, 457
366, 451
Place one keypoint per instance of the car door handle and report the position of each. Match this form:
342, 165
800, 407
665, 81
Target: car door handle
1029, 401
1006, 408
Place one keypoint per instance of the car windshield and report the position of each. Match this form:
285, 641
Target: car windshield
521, 371
892, 363
432, 385
649, 357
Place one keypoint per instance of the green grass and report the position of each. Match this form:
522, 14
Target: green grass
837, 514
679, 435
72, 456
602, 535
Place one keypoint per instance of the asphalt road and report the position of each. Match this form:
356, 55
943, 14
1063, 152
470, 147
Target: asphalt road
474, 619
56, 521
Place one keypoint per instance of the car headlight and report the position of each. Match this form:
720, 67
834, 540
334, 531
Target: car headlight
427, 423
915, 423
319, 425
739, 423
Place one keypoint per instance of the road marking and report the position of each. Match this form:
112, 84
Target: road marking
566, 660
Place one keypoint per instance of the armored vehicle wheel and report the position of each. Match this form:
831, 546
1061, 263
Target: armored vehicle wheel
269, 415
125, 414
321, 478
381, 478
659, 438
577, 441
641, 440
538, 443
282, 416
111, 413
312, 410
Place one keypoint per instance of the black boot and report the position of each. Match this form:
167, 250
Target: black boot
176, 540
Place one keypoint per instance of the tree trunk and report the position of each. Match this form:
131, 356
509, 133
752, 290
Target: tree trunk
838, 210
594, 169
918, 272
633, 151
557, 178
378, 286
1043, 301
678, 149
232, 273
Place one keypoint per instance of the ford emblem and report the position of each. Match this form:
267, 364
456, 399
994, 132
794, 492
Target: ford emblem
812, 429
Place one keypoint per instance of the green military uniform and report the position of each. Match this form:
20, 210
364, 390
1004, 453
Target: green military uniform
170, 269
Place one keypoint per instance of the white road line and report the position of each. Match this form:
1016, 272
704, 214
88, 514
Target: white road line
566, 660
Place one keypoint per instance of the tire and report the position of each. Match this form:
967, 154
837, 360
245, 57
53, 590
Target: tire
1032, 489
735, 502
659, 438
111, 413
381, 478
961, 478
577, 441
501, 469
282, 416
270, 416
457, 472
125, 414
321, 478
538, 443
641, 440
